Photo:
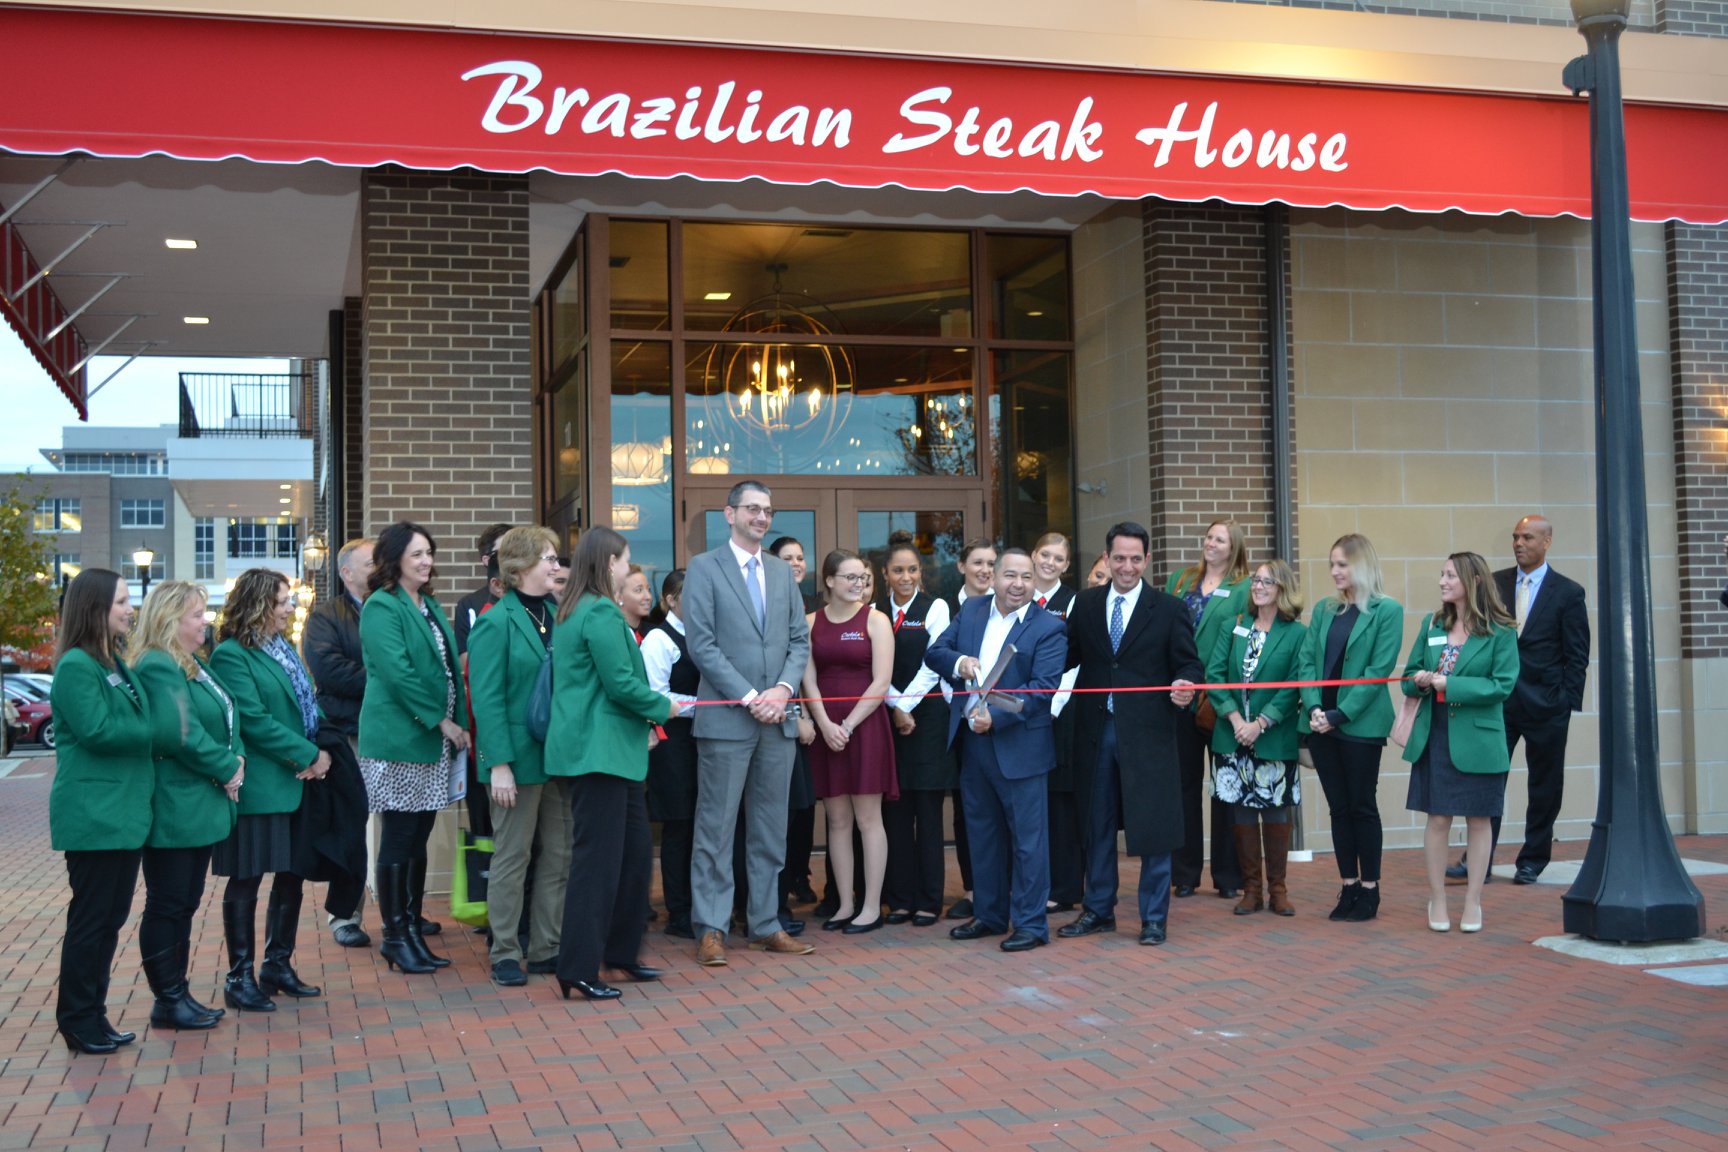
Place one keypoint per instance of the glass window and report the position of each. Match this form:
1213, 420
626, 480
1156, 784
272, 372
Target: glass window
938, 536
203, 549
158, 570
287, 539
852, 410
67, 565
568, 425
143, 513
54, 515
640, 294
1028, 286
249, 539
852, 281
567, 318
1029, 411
642, 454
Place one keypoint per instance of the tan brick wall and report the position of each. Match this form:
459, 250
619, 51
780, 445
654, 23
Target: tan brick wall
1643, 13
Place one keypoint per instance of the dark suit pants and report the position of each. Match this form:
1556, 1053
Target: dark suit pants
1191, 760
102, 884
1008, 826
173, 889
800, 846
962, 844
1349, 772
1067, 850
676, 838
917, 851
1545, 756
1102, 821
611, 868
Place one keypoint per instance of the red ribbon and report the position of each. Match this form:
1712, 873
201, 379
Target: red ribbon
1080, 691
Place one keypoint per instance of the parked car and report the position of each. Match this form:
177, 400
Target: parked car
35, 717
37, 687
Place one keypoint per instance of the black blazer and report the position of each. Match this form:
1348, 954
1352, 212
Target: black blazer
1553, 648
331, 648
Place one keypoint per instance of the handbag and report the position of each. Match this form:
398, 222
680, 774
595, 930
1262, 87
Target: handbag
1406, 721
538, 716
468, 884
1205, 716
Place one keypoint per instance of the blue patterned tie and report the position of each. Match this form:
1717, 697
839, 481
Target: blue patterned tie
1115, 642
756, 593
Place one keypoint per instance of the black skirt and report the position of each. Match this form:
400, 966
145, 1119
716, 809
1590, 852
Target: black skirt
258, 845
1438, 788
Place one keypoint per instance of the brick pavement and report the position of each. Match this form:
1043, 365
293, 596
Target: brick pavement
1243, 1032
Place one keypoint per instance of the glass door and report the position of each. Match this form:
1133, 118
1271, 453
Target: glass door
806, 515
940, 523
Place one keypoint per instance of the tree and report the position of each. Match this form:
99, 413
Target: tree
27, 597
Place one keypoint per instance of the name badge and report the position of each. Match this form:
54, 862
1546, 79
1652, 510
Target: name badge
114, 679
1240, 631
1436, 641
1220, 592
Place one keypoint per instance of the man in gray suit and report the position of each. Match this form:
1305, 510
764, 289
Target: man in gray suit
745, 627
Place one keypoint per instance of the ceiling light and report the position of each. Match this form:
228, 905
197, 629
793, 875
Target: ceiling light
1034, 313
285, 500
181, 245
195, 319
717, 296
286, 487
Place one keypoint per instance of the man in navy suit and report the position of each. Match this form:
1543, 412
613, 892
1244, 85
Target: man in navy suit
1005, 755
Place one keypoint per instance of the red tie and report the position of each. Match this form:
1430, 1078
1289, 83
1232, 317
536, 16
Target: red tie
1040, 601
899, 618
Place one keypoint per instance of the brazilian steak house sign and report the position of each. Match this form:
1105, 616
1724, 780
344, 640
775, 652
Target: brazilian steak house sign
289, 92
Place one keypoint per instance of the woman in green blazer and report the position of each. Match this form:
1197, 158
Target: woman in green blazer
506, 648
1254, 768
411, 744
99, 804
279, 717
603, 713
200, 765
1215, 590
1354, 634
1461, 670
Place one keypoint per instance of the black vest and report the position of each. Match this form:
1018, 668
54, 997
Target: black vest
1060, 601
684, 679
910, 640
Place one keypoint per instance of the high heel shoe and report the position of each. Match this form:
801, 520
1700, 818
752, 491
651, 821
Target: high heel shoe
90, 1041
596, 990
1444, 924
640, 973
1466, 925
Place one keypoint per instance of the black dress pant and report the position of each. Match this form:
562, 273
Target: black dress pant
1067, 850
173, 889
800, 844
1187, 861
102, 883
677, 842
917, 851
962, 847
403, 836
1349, 772
1545, 756
611, 869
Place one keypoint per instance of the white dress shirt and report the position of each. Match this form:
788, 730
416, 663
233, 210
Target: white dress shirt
996, 629
935, 623
743, 559
659, 653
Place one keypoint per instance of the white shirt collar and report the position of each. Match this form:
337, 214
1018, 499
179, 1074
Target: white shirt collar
740, 555
1129, 599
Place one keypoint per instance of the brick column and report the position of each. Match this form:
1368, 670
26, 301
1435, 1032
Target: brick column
448, 409
1698, 354
1209, 397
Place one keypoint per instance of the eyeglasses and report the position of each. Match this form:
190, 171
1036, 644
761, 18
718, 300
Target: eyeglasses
755, 510
551, 559
1262, 582
852, 577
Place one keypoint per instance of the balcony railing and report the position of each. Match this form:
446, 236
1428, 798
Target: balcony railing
247, 405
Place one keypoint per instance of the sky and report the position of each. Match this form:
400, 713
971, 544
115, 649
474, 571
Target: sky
33, 410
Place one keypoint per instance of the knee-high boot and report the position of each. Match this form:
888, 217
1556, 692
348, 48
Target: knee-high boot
239, 926
173, 1008
416, 930
1277, 862
281, 924
393, 909
1248, 858
185, 958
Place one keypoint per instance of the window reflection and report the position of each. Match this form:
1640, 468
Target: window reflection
642, 453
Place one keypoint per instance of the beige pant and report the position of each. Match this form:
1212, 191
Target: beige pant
542, 809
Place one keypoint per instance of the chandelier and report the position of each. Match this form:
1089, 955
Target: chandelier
636, 463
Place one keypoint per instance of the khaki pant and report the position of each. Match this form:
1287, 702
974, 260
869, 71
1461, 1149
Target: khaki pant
542, 809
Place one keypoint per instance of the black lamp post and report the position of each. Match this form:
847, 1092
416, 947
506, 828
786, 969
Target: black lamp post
1632, 887
144, 557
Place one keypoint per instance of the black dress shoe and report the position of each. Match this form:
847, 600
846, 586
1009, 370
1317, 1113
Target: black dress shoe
803, 894
593, 991
1152, 932
120, 1037
1229, 893
542, 967
826, 908
857, 929
351, 936
1088, 923
680, 927
791, 926
1058, 906
837, 923
641, 973
962, 909
1021, 942
92, 1041
1525, 875
973, 930
923, 919
898, 917
430, 927
1185, 890
1457, 871
508, 974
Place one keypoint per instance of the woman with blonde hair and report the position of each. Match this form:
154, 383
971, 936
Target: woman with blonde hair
1462, 667
200, 766
1353, 634
1254, 753
1214, 589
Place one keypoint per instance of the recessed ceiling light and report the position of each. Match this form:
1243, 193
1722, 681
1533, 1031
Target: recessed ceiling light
286, 487
195, 319
284, 500
1034, 313
181, 245
718, 296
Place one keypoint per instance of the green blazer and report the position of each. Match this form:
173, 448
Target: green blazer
1476, 691
504, 658
197, 751
1279, 659
405, 685
1370, 652
103, 774
276, 744
601, 703
1222, 607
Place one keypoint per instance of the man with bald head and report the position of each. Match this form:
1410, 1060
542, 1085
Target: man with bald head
1553, 654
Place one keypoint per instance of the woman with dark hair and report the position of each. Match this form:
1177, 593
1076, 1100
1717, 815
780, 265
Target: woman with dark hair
279, 719
410, 738
1215, 590
1462, 667
801, 798
917, 846
672, 762
99, 804
636, 601
1254, 753
603, 715
200, 766
506, 648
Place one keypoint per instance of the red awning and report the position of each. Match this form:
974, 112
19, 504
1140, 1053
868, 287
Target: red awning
200, 88
33, 309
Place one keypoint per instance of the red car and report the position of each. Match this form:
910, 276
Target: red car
35, 722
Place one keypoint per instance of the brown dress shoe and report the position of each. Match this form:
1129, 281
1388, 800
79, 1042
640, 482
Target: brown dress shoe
784, 944
711, 950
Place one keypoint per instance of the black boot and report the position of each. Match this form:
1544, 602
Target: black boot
416, 933
240, 991
1367, 905
173, 1008
281, 923
185, 956
393, 908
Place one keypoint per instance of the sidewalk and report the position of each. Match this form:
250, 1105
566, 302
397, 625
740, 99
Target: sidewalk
1246, 1033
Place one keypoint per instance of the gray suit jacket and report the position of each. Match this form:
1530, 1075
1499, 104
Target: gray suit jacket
732, 653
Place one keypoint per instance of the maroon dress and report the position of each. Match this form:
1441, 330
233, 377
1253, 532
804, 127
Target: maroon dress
841, 653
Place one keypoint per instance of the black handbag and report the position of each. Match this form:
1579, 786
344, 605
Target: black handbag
538, 717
